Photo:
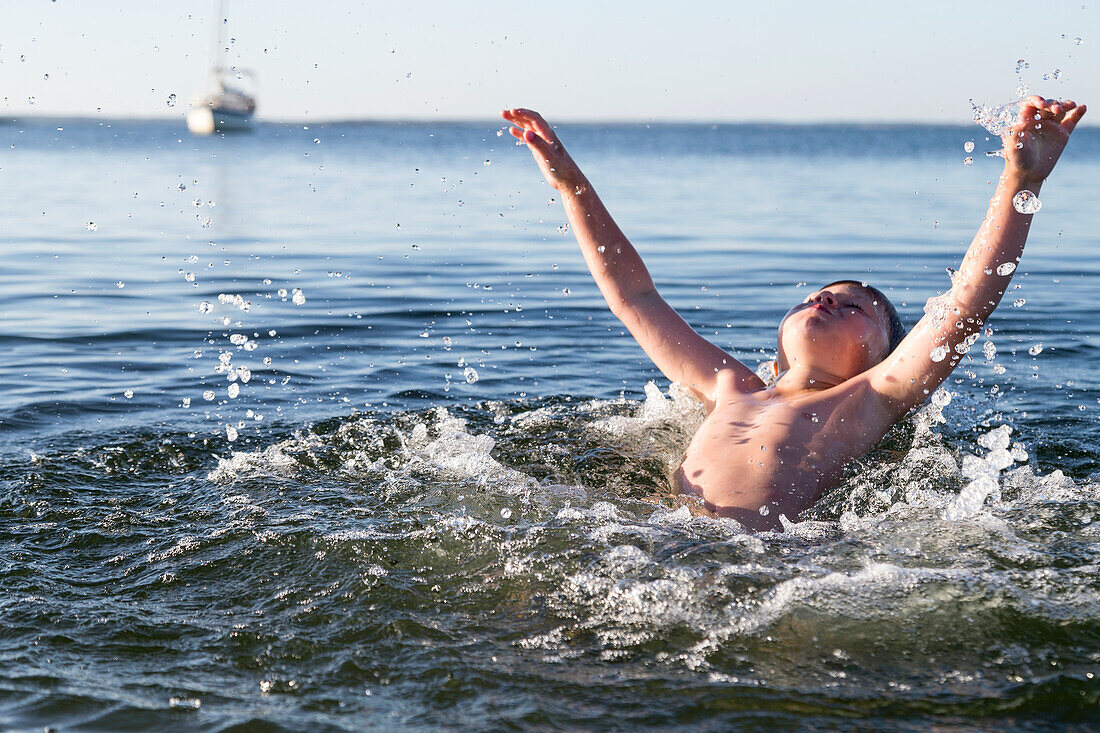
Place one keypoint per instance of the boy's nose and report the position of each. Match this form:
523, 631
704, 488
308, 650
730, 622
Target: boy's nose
826, 297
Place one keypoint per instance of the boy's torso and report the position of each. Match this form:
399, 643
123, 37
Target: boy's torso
758, 449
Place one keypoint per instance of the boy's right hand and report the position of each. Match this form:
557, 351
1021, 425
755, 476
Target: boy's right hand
557, 167
1040, 134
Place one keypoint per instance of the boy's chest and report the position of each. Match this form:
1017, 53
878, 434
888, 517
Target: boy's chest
807, 434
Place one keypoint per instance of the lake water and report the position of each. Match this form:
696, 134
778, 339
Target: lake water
327, 428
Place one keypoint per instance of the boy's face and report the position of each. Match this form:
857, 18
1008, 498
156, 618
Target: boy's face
841, 329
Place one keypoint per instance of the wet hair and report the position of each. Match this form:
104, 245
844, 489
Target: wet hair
895, 328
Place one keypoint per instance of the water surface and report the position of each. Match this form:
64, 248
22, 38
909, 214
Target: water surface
445, 502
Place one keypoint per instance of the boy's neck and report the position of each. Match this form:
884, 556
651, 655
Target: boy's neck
803, 378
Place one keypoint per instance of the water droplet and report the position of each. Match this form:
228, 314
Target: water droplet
487, 163
1026, 202
566, 291
91, 226
234, 389
968, 146
764, 510
231, 435
128, 394
120, 285
186, 401
1078, 41
208, 395
471, 374
1018, 302
505, 513
989, 350
968, 161
601, 249
189, 277
244, 374
31, 100
938, 354
447, 342
1006, 268
171, 100
998, 369
297, 297
963, 347
205, 307
1036, 349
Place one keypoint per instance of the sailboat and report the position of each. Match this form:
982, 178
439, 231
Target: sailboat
226, 106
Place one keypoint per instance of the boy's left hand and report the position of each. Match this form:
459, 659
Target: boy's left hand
1040, 135
557, 167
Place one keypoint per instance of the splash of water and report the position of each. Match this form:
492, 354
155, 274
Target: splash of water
999, 119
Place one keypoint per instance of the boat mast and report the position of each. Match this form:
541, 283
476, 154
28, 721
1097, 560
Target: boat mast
218, 51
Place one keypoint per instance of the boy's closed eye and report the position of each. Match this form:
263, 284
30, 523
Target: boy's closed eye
857, 306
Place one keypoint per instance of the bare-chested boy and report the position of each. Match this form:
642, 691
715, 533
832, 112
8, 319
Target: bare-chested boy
847, 371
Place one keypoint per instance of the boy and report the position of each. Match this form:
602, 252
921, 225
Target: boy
846, 374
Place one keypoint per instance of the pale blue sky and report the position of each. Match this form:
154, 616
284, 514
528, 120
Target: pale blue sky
708, 61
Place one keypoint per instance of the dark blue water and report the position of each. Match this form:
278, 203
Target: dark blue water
429, 486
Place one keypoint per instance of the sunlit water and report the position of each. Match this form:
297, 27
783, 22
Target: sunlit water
328, 429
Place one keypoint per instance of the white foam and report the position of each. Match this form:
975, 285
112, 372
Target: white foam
679, 409
872, 592
271, 461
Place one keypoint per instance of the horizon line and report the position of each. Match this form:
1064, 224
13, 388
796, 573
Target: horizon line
100, 117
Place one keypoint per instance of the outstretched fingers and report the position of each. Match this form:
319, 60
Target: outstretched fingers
532, 140
1061, 112
1073, 116
532, 120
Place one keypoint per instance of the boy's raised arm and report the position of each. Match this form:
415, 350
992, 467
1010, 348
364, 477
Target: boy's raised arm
936, 344
678, 351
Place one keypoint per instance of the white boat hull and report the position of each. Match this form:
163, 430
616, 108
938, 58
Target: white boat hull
206, 120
